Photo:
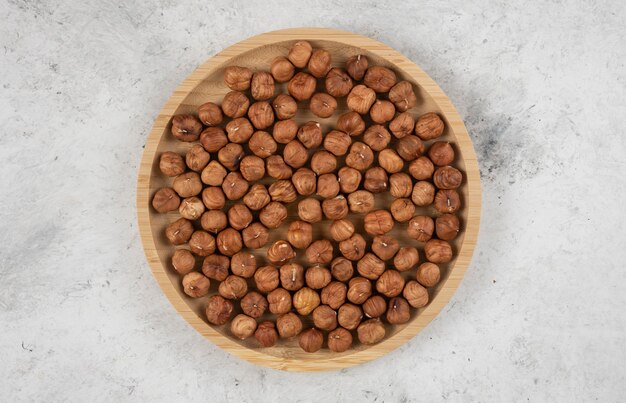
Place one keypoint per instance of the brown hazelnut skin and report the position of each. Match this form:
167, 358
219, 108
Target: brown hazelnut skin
310, 134
349, 179
213, 221
240, 129
377, 137
428, 274
273, 215
266, 334
257, 197
447, 178
390, 161
382, 111
179, 231
254, 304
342, 269
360, 156
262, 86
229, 242
349, 316
325, 318
235, 186
300, 53
282, 70
311, 340
288, 325
447, 227
213, 174
218, 310
310, 210
403, 96
376, 180
421, 228
371, 331
252, 168
233, 287
235, 104
402, 209
379, 78
337, 142
339, 340
447, 201
305, 181
183, 261
357, 66
266, 279
302, 86
421, 168
186, 127
191, 208
360, 99
351, 123
210, 114
423, 193
400, 185
197, 158
375, 306
187, 184
261, 115
279, 301
295, 154
429, 126
341, 229
410, 147
280, 252
338, 83
300, 234
165, 200
283, 191
385, 246
285, 107
327, 186
196, 285
305, 300
284, 131
370, 267
438, 251
319, 63
171, 164
213, 139
277, 169
216, 267
292, 276
378, 222
320, 252
334, 294
390, 283
213, 197
398, 311
353, 248
243, 264
359, 290
406, 259
361, 201
255, 236
415, 294
237, 78
317, 277
231, 155
335, 208
441, 153
323, 105
402, 125
242, 326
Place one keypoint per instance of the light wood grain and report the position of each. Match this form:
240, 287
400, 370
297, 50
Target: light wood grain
206, 84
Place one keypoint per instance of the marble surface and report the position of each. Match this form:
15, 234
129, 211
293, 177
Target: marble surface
540, 315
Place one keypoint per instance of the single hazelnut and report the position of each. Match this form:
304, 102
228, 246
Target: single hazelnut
338, 83
390, 161
398, 311
196, 285
371, 331
337, 142
280, 252
252, 168
420, 228
295, 154
311, 340
357, 66
285, 107
179, 231
441, 153
183, 261
375, 306
171, 164
213, 174
284, 131
191, 208
379, 78
243, 264
283, 191
410, 147
218, 310
235, 104
235, 186
305, 300
339, 340
322, 105
233, 287
421, 168
406, 259
216, 267
210, 114
447, 201
385, 246
376, 180
402, 125
361, 201
288, 325
213, 139
262, 144
231, 155
300, 234
447, 227
402, 209
213, 220
360, 156
310, 134
349, 179
213, 197
187, 184
310, 210
319, 63
335, 208
305, 181
165, 200
300, 53
423, 193
302, 86
359, 290
229, 242
255, 236
334, 294
320, 252
317, 277
382, 111
377, 137
292, 276
273, 215
390, 283
240, 129
279, 301
342, 268
370, 267
351, 123
197, 158
349, 316
403, 96
360, 99
257, 197
438, 251
266, 334
327, 186
266, 279
428, 274
429, 126
262, 86
254, 304
242, 326
447, 178
277, 169
341, 229
186, 127
325, 318
353, 248
415, 294
237, 78
400, 185
261, 115
282, 70
378, 222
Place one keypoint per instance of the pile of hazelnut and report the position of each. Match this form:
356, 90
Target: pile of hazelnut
250, 160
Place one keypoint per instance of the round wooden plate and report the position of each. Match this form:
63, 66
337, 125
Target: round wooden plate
206, 84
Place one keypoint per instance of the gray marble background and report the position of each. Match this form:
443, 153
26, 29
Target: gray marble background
540, 314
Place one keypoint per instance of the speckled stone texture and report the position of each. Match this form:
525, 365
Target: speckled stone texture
540, 314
